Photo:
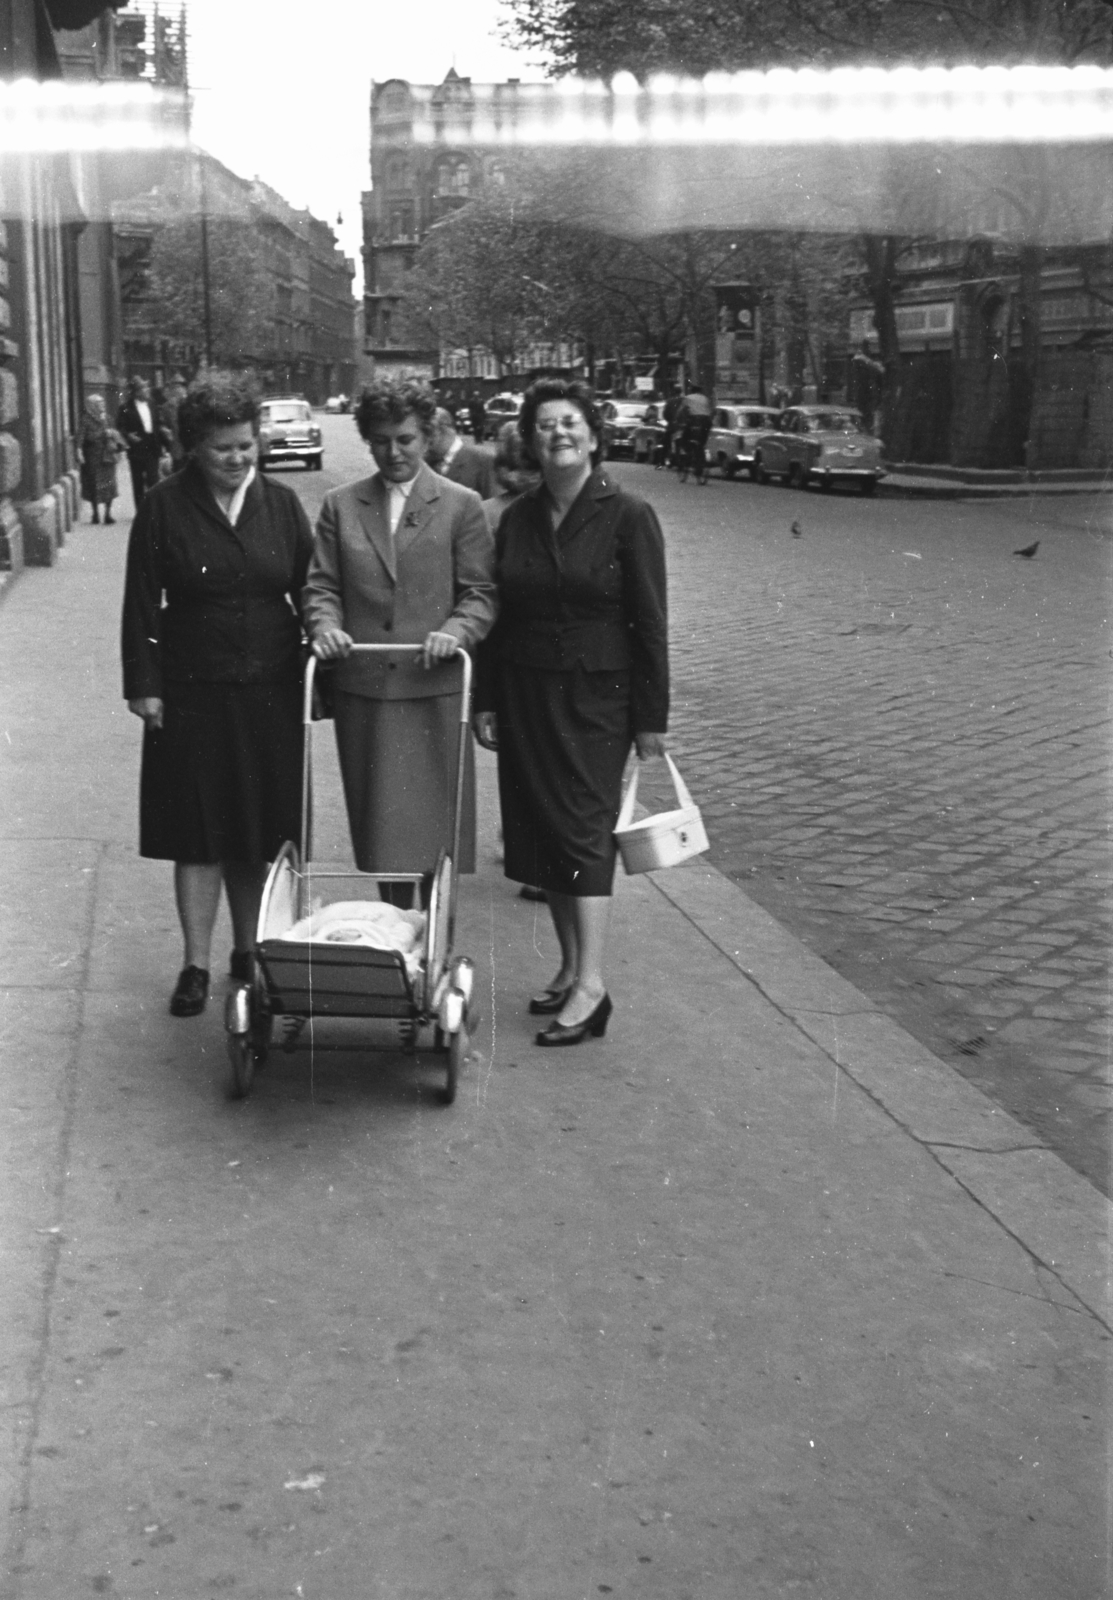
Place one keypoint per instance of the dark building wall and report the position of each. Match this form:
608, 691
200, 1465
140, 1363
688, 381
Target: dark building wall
40, 338
1073, 421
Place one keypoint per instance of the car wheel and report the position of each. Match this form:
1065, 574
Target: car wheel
726, 466
758, 472
869, 485
826, 484
796, 479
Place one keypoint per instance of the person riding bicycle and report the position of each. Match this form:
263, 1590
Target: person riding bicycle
693, 422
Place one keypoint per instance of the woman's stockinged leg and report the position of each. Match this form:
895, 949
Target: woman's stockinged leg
590, 915
243, 882
197, 892
562, 910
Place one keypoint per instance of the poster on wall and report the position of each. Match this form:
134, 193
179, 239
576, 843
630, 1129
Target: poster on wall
737, 341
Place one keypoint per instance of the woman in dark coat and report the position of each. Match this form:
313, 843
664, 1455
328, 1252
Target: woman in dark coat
98, 446
212, 664
575, 671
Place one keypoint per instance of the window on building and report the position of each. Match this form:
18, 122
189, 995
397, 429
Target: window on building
453, 178
399, 173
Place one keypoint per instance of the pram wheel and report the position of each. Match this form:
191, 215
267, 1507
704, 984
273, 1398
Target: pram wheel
241, 1053
457, 1051
248, 1026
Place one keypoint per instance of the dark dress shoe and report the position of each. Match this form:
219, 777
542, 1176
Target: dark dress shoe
239, 968
595, 1025
188, 999
549, 1002
529, 892
108, 519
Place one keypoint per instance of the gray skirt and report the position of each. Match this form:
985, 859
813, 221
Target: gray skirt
398, 765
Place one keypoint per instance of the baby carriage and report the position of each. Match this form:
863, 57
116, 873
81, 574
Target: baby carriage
316, 957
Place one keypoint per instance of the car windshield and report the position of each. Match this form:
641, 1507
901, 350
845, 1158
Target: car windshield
627, 413
835, 422
292, 411
759, 419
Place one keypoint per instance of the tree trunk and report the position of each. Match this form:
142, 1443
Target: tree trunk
1026, 368
881, 278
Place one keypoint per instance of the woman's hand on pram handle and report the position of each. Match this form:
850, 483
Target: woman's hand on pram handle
485, 726
438, 647
332, 645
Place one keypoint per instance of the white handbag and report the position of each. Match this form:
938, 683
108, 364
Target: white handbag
664, 840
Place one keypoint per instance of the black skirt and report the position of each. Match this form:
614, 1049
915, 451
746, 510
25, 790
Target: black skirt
221, 780
564, 738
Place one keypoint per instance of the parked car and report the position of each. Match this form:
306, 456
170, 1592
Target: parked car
502, 408
337, 403
820, 444
287, 432
735, 430
621, 420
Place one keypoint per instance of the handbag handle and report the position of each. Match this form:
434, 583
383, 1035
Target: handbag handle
630, 795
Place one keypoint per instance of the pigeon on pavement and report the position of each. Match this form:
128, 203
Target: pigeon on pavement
797, 530
1029, 550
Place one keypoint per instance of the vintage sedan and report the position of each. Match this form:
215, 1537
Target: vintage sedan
621, 421
820, 444
735, 431
287, 432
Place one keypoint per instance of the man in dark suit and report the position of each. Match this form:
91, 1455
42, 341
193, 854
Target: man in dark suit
477, 416
459, 461
138, 423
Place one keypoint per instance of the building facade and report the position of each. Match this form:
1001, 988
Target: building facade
41, 218
971, 394
257, 283
426, 164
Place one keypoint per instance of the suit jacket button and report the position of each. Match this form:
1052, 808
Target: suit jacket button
388, 627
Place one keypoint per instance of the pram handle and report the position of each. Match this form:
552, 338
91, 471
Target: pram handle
462, 656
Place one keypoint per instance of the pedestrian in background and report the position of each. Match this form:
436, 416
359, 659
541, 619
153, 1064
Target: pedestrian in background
574, 672
212, 651
403, 557
98, 448
477, 416
138, 423
514, 473
459, 461
168, 423
668, 416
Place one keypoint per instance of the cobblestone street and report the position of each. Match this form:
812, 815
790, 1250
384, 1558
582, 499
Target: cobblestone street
899, 734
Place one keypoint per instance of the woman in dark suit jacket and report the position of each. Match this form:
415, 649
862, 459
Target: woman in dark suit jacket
212, 664
404, 557
575, 672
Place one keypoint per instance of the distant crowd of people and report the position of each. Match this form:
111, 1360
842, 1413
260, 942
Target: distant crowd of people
145, 430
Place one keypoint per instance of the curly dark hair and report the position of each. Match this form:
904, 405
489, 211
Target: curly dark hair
571, 389
392, 400
215, 402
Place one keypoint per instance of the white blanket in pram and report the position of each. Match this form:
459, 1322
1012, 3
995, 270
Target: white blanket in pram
374, 924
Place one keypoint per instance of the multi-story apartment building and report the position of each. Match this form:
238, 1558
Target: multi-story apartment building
425, 164
59, 332
298, 332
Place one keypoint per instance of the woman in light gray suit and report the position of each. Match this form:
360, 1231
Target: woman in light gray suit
403, 557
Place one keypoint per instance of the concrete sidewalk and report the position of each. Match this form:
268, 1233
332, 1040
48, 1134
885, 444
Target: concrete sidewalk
944, 482
755, 1297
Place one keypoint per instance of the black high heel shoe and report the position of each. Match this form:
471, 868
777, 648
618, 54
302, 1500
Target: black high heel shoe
596, 1025
549, 1002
